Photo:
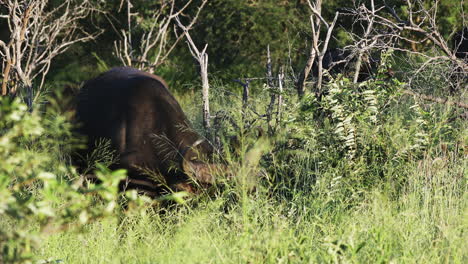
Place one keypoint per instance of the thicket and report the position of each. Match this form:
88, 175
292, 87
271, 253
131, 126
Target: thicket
365, 172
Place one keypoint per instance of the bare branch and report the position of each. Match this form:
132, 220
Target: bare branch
37, 36
202, 58
365, 44
385, 29
270, 87
317, 12
322, 54
318, 48
436, 99
155, 44
280, 97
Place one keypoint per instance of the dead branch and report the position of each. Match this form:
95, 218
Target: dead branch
270, 88
384, 29
37, 36
202, 58
155, 44
395, 25
321, 54
318, 48
280, 97
364, 44
436, 99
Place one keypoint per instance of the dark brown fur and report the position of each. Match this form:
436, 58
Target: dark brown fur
460, 43
147, 128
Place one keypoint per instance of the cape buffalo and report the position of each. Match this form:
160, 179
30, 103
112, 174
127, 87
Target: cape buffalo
147, 129
343, 61
460, 43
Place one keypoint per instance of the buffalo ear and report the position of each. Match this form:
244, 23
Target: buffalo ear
197, 169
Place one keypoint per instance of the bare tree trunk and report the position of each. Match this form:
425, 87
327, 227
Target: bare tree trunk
300, 86
370, 25
245, 93
6, 76
205, 89
321, 54
270, 87
202, 58
316, 9
245, 98
316, 20
280, 97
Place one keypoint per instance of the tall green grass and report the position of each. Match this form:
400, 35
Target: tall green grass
366, 175
397, 194
426, 224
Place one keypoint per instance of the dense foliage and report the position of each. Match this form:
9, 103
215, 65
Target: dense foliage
237, 33
364, 173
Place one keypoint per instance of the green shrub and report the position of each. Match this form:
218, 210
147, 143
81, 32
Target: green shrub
39, 193
357, 137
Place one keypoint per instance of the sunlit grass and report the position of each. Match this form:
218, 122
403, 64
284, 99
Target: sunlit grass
427, 224
401, 201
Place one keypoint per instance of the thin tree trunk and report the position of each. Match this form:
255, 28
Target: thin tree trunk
205, 90
280, 97
270, 87
300, 86
202, 58
366, 35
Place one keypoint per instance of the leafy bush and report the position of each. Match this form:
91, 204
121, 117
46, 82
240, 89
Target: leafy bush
356, 137
39, 193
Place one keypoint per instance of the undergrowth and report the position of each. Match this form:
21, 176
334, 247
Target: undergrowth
363, 175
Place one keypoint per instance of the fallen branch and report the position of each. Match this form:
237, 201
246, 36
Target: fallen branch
436, 99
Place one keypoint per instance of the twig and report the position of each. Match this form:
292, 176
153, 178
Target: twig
37, 35
436, 99
155, 45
